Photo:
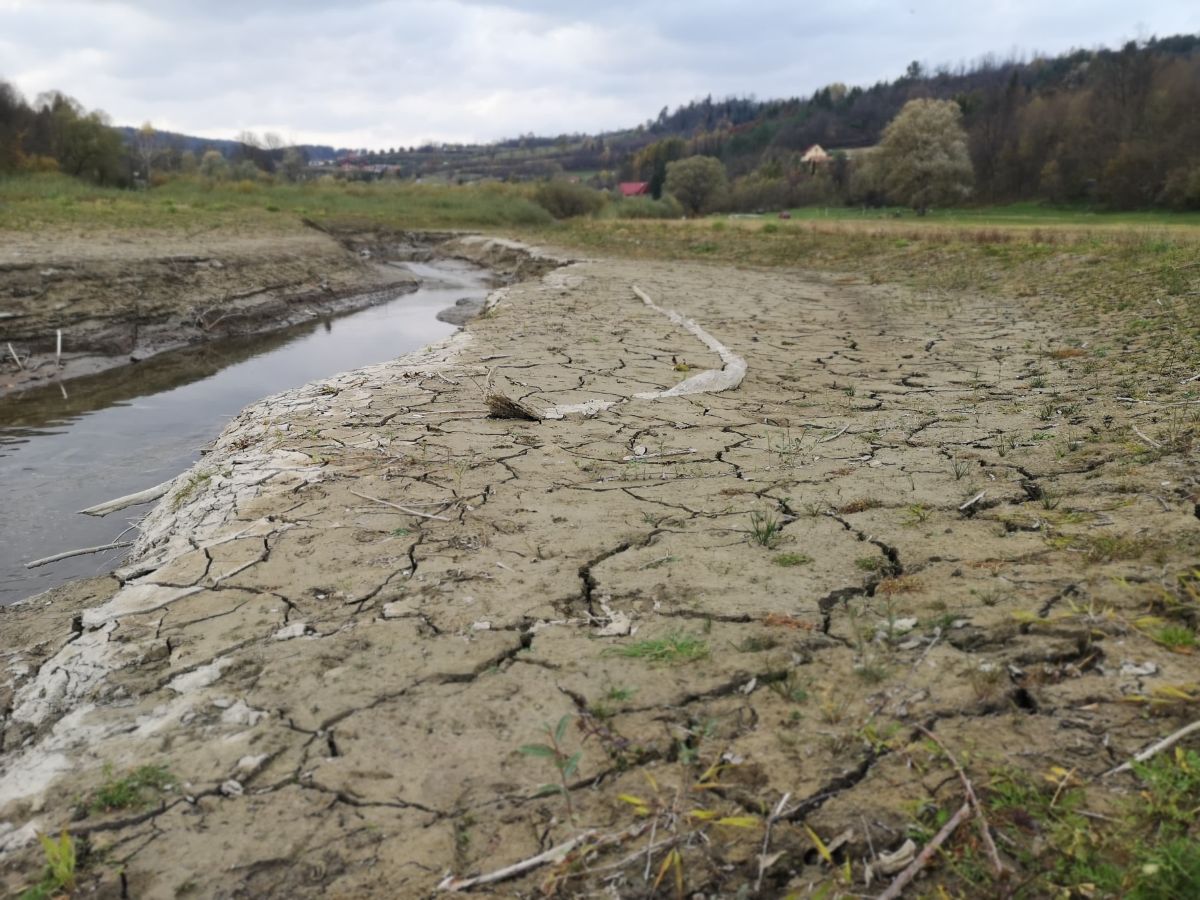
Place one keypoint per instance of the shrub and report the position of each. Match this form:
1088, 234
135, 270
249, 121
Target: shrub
647, 208
566, 200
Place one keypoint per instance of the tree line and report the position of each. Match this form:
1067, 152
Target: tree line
1118, 128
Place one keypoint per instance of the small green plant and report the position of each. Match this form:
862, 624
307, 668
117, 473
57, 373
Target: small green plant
915, 514
1176, 637
193, 484
1050, 499
790, 688
960, 468
1144, 848
58, 877
869, 563
567, 764
756, 644
132, 791
674, 649
790, 560
765, 528
620, 694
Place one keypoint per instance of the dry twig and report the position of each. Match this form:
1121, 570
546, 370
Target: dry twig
1149, 440
762, 856
972, 798
896, 888
403, 509
1154, 749
554, 854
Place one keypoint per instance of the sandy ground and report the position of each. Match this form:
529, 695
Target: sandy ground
341, 687
122, 298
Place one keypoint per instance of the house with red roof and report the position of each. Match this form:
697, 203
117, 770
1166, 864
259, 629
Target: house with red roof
634, 188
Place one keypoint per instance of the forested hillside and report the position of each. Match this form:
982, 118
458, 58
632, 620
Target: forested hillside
1118, 128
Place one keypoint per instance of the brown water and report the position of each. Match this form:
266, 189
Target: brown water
135, 427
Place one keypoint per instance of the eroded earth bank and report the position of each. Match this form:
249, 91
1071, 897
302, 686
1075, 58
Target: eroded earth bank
339, 630
120, 298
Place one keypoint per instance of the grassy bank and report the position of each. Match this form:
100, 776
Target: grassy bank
1132, 277
55, 202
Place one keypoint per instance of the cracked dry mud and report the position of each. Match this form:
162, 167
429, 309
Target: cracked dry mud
341, 688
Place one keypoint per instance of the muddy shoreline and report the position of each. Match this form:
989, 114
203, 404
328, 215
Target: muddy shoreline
338, 631
145, 299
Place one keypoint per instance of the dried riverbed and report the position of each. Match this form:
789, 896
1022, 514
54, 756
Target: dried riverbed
341, 627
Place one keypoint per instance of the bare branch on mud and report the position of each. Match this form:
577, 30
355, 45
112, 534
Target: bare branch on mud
112, 506
404, 509
972, 798
1165, 744
896, 888
554, 854
45, 561
763, 861
834, 437
1149, 440
972, 501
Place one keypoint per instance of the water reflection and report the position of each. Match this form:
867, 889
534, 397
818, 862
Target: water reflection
131, 428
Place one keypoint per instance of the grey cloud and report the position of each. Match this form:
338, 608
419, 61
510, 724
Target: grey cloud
372, 72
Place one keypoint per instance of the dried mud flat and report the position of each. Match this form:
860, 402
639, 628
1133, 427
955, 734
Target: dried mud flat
341, 628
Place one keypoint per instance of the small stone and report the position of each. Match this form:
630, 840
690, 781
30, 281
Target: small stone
241, 714
232, 788
251, 763
295, 630
1146, 668
481, 625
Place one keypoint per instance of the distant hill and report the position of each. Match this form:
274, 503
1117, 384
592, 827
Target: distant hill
1117, 126
199, 145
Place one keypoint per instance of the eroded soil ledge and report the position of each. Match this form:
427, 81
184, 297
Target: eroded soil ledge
121, 299
340, 628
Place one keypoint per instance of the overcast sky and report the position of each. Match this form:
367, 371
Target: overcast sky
383, 73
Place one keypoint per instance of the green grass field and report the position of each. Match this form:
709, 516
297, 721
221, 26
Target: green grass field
1016, 214
55, 201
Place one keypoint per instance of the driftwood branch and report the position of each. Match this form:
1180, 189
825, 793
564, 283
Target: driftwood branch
763, 859
16, 359
1149, 440
554, 854
45, 561
1154, 749
404, 509
112, 506
831, 437
896, 888
972, 798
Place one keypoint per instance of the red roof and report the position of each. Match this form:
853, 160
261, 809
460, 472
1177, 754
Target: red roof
634, 188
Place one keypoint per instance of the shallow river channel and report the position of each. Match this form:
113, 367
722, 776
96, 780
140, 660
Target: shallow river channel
131, 428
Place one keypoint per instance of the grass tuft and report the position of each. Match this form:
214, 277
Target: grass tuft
674, 649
